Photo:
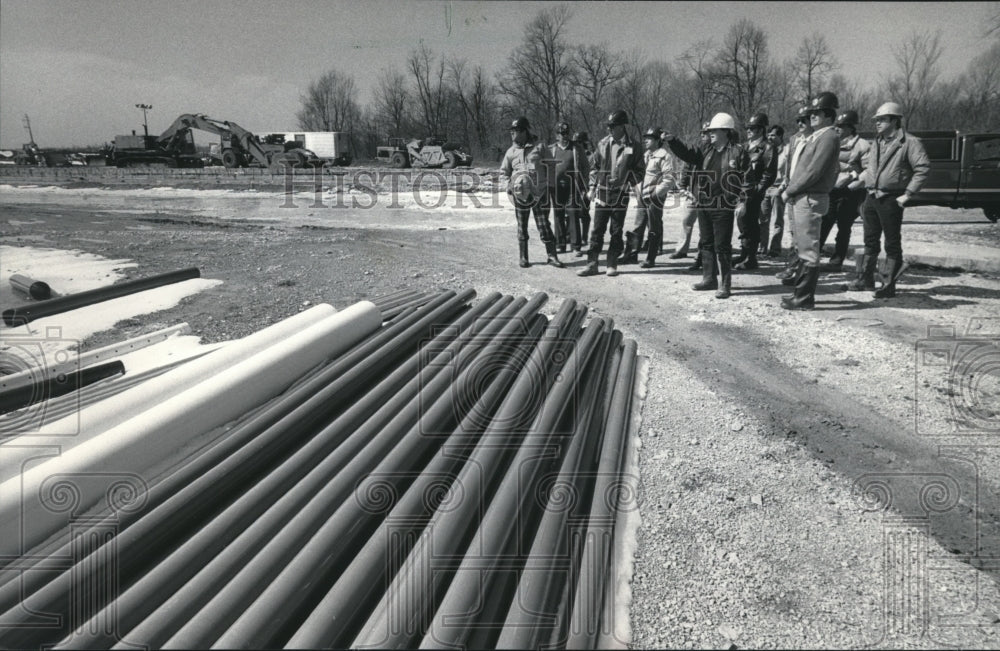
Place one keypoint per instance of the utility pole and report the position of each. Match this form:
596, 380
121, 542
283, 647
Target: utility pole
144, 107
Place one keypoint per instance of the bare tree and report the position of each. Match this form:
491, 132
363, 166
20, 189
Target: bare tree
916, 73
628, 92
477, 97
785, 101
813, 63
741, 65
428, 78
539, 70
392, 102
329, 104
596, 70
697, 60
980, 90
993, 23
855, 97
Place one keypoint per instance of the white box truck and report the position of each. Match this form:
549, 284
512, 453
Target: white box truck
333, 146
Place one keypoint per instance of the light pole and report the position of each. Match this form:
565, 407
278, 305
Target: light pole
144, 107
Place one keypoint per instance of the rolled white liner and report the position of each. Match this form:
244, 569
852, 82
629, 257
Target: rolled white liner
120, 456
76, 428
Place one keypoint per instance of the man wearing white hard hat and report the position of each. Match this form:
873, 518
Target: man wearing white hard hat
897, 168
718, 173
807, 198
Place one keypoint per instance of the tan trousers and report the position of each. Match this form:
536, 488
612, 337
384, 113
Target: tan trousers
805, 214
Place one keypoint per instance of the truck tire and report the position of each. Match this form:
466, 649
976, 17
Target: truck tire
450, 160
992, 214
399, 160
229, 159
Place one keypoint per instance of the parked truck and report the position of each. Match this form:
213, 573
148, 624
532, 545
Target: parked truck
334, 147
965, 171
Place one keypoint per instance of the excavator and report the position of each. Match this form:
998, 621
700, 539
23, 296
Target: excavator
239, 147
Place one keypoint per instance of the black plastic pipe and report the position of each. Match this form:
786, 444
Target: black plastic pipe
397, 621
177, 504
335, 620
27, 313
346, 530
372, 411
532, 613
324, 490
588, 603
36, 289
511, 514
60, 385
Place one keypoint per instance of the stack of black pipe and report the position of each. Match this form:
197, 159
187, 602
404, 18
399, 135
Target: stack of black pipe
453, 479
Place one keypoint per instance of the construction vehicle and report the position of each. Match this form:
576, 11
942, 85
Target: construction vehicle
238, 147
428, 152
30, 153
331, 146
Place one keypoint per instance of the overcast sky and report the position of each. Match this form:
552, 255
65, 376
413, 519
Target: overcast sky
78, 67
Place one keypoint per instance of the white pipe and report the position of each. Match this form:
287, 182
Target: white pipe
77, 428
118, 465
107, 353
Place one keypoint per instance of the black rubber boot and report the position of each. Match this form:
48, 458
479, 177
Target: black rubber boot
865, 277
630, 255
550, 248
725, 277
804, 297
708, 278
888, 288
749, 262
522, 248
792, 276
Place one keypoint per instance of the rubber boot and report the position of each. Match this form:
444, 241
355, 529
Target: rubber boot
697, 263
804, 297
791, 270
550, 248
522, 248
725, 277
865, 277
888, 288
591, 268
612, 265
631, 254
794, 271
749, 262
708, 279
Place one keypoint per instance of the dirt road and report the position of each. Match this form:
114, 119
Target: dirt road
806, 479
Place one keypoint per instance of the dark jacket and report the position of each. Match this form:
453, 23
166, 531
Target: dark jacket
709, 190
612, 178
763, 168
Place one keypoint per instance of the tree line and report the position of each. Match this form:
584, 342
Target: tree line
548, 78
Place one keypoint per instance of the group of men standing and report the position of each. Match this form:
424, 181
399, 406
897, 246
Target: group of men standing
827, 175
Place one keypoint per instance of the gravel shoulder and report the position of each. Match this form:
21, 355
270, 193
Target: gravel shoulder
766, 436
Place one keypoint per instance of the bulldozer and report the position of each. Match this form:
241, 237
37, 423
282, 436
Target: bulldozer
426, 152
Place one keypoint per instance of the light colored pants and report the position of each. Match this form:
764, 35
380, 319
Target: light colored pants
805, 213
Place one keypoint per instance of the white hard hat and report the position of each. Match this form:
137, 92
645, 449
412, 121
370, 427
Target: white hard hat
722, 121
889, 108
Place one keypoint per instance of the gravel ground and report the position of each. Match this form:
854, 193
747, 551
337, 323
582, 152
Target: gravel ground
766, 436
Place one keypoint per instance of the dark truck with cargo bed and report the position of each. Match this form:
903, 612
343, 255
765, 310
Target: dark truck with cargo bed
965, 171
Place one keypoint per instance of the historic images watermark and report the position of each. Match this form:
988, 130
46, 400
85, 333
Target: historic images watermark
37, 371
957, 383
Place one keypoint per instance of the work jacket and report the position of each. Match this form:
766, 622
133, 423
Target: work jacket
523, 165
566, 165
817, 166
763, 168
659, 177
710, 190
610, 177
852, 162
897, 166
